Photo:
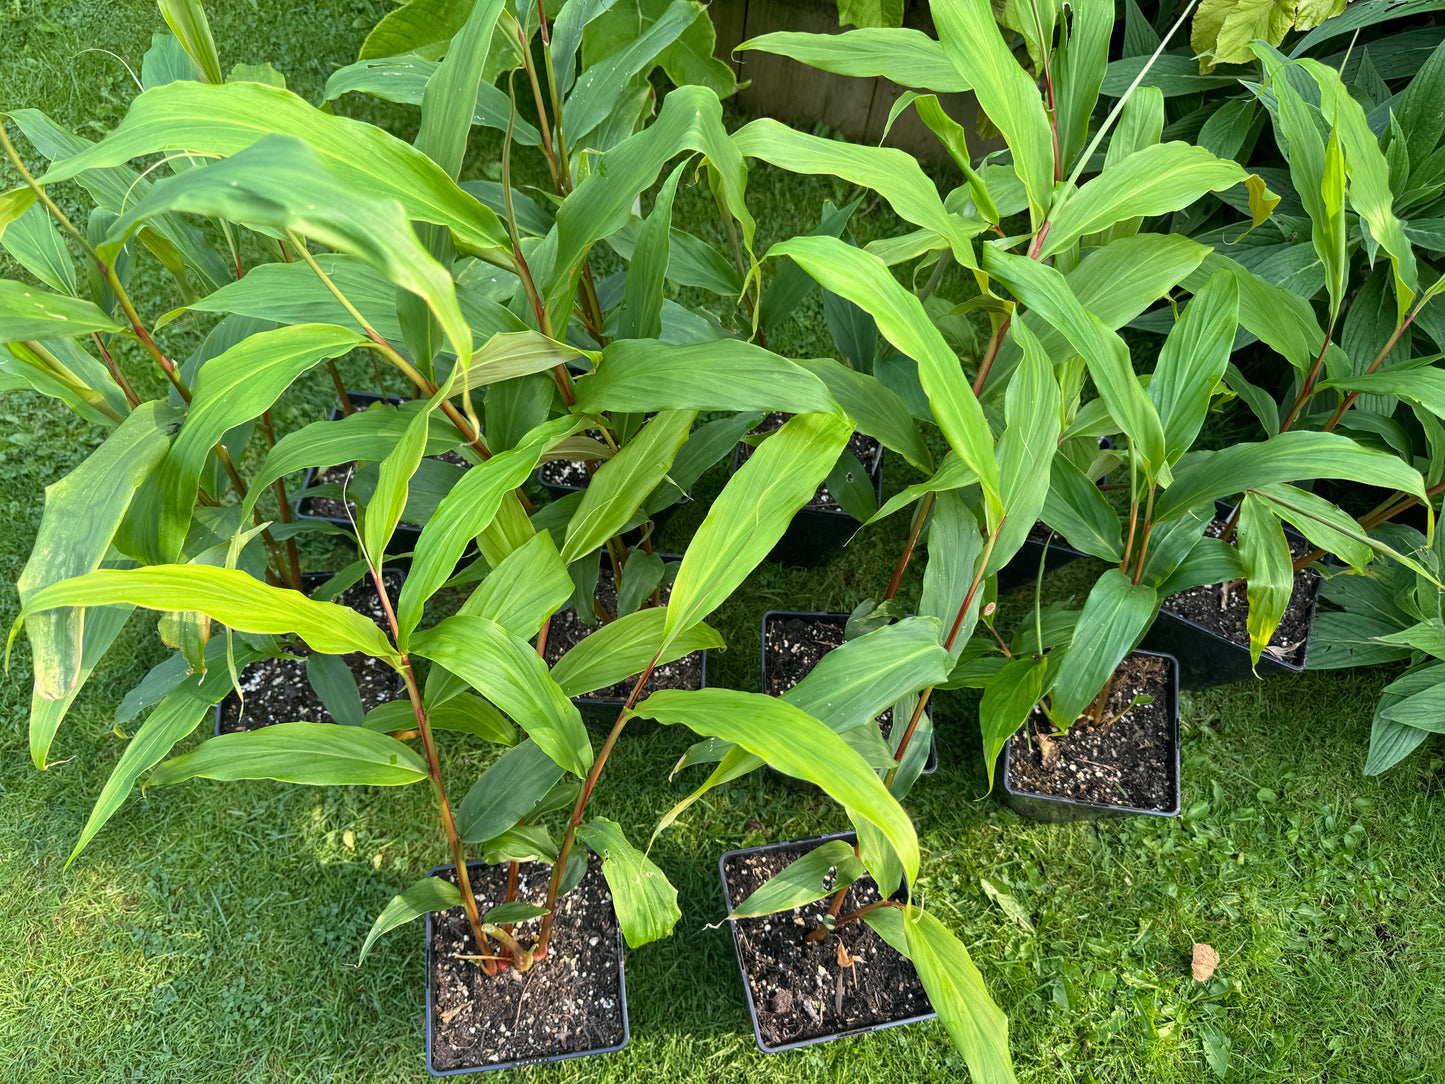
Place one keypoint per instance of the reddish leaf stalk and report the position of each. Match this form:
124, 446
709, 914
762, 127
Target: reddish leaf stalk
119, 377
920, 517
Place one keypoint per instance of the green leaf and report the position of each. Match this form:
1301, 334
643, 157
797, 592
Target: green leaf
83, 511
415, 25
508, 672
875, 409
229, 118
640, 316
622, 649
1269, 575
506, 792
28, 312
178, 713
35, 242
451, 91
1008, 699
891, 173
1006, 93
187, 20
866, 281
903, 55
239, 384
953, 548
226, 594
462, 712
1082, 59
619, 487
101, 627
428, 894
1116, 613
751, 514
1033, 407
14, 204
796, 744
465, 512
1077, 510
529, 586
516, 911
729, 374
1193, 361
335, 684
312, 754
955, 989
645, 900
803, 880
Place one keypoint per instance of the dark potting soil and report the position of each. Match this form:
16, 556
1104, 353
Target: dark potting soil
799, 988
569, 1003
867, 451
1228, 614
566, 632
341, 475
277, 691
1125, 762
795, 645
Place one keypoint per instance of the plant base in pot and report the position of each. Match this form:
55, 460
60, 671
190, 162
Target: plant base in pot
1207, 629
279, 691
601, 706
793, 643
1127, 766
798, 993
571, 1004
820, 526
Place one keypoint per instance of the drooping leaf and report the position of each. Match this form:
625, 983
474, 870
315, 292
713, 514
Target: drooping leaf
802, 881
1269, 577
313, 754
906, 56
428, 894
1008, 699
645, 900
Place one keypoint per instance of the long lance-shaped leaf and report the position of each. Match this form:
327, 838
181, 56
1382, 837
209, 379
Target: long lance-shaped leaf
908, 57
1116, 614
619, 487
1193, 361
1043, 289
1032, 410
393, 485
622, 649
280, 183
866, 281
796, 744
956, 991
225, 594
974, 45
82, 513
875, 409
640, 316
102, 626
61, 369
428, 894
1277, 316
1269, 575
223, 120
403, 79
751, 514
645, 900
187, 20
644, 374
508, 672
690, 120
1286, 457
1153, 181
802, 881
1077, 510
312, 754
954, 544
28, 312
1083, 58
891, 173
236, 386
177, 715
506, 792
465, 512
1008, 699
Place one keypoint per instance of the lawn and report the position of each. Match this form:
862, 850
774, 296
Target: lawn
210, 932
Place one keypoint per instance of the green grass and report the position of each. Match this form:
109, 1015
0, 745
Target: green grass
210, 931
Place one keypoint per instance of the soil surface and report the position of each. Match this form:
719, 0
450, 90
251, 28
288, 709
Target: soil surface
798, 988
566, 632
1124, 762
794, 645
336, 508
1228, 615
867, 451
277, 691
569, 1003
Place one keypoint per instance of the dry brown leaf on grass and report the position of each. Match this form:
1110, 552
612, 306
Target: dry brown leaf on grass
1204, 963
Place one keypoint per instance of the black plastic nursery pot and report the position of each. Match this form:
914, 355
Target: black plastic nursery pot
1052, 809
602, 711
387, 687
530, 1020
404, 538
820, 959
1208, 658
815, 533
840, 620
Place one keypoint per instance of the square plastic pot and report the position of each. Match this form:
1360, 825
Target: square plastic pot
519, 1063
1208, 659
930, 765
1049, 809
728, 904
